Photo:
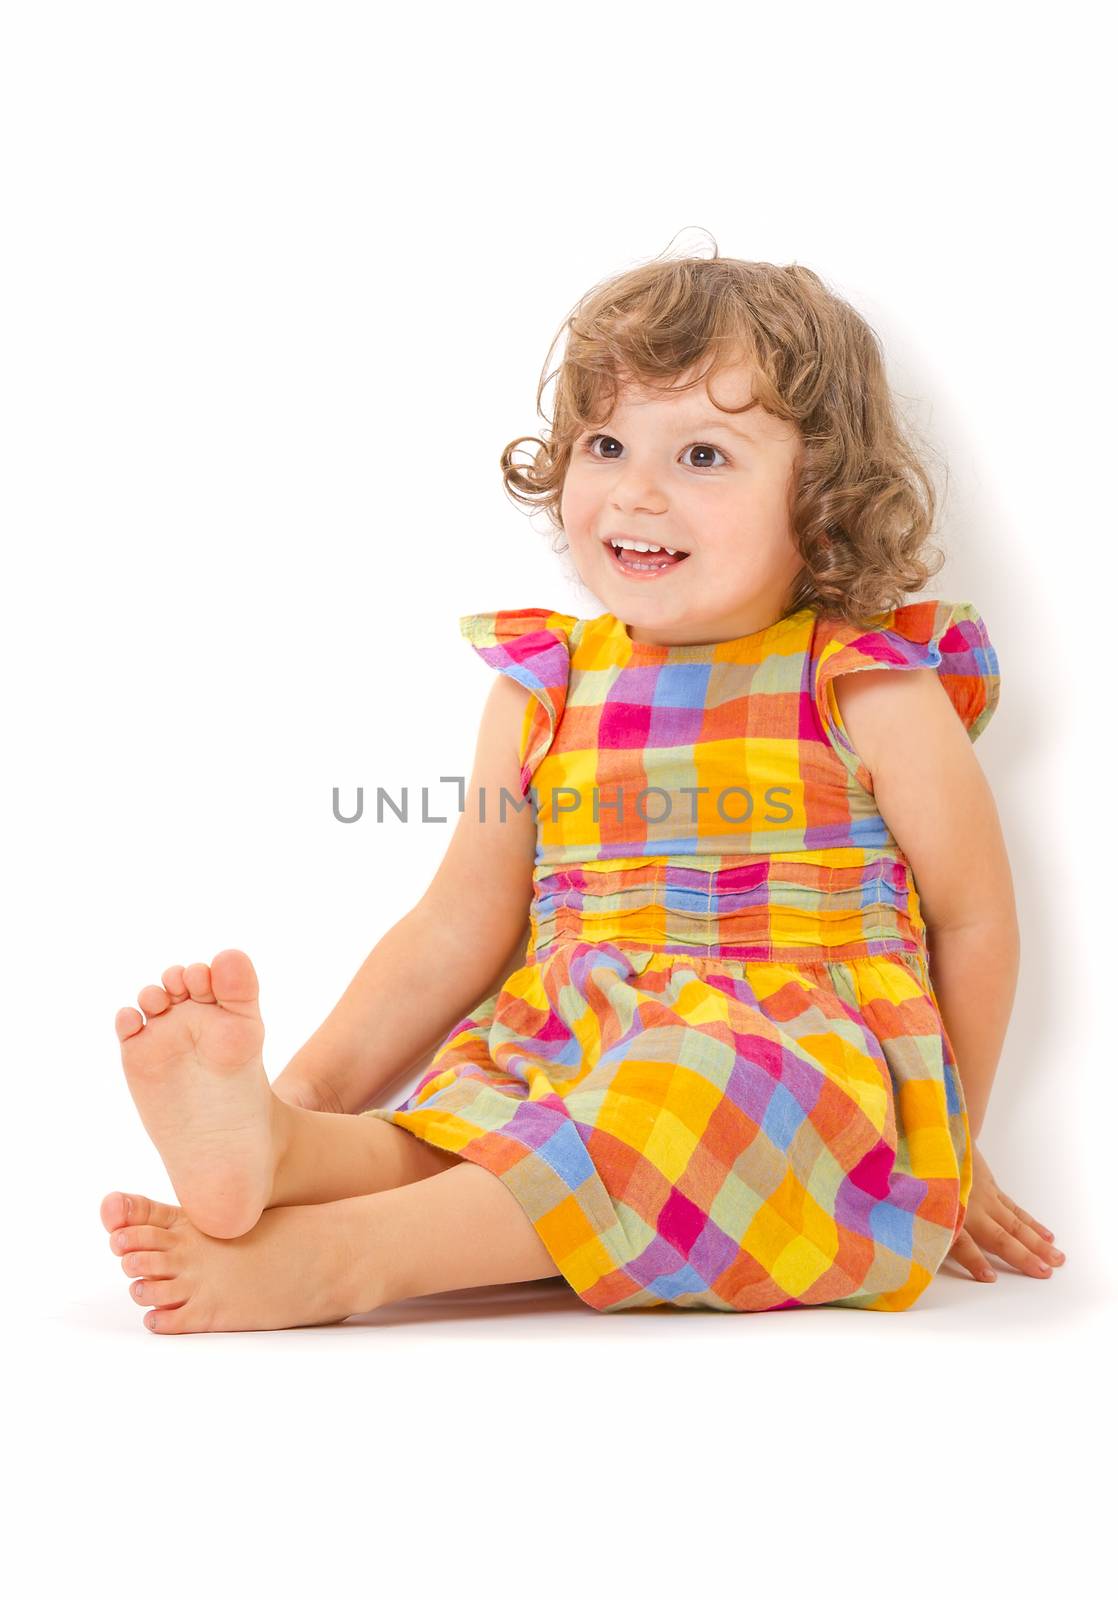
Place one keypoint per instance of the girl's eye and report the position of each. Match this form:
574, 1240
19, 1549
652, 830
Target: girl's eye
589, 443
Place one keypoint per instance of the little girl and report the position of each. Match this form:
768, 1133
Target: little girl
677, 965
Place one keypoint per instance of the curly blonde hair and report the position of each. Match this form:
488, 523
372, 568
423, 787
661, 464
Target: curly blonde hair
861, 501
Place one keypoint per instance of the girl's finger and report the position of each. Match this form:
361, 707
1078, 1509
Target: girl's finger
1002, 1232
968, 1255
1029, 1233
1045, 1233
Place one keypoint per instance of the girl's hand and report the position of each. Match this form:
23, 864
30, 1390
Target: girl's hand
998, 1224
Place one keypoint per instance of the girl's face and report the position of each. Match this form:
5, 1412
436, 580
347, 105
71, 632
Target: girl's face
669, 470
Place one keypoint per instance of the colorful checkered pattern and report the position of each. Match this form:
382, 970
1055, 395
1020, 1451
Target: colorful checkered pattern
721, 1079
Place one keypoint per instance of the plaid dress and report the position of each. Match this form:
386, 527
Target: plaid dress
721, 1078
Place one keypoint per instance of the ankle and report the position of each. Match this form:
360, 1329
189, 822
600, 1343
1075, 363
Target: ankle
284, 1120
363, 1264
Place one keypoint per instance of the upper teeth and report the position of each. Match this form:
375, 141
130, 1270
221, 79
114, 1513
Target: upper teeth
631, 544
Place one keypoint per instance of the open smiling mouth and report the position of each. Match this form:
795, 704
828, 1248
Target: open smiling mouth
637, 559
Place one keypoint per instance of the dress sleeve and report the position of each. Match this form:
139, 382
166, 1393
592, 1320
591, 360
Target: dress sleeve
533, 646
946, 635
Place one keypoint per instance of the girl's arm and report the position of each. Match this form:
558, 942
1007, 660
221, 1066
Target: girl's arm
450, 952
935, 799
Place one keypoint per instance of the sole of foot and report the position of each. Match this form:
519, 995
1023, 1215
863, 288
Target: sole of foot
195, 1070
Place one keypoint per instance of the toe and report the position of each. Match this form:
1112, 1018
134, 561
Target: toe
120, 1210
172, 981
235, 983
158, 1292
146, 1263
143, 1238
176, 1320
197, 980
128, 1021
114, 1210
153, 1000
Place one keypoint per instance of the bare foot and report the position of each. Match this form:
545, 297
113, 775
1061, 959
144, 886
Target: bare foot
292, 1270
196, 1074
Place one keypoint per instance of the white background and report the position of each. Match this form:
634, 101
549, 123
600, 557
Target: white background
280, 284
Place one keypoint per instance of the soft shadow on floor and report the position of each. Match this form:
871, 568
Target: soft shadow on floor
545, 1298
953, 1301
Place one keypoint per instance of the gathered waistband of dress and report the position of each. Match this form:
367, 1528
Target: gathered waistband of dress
825, 906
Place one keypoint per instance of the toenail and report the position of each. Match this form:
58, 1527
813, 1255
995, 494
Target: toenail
118, 1241
127, 1206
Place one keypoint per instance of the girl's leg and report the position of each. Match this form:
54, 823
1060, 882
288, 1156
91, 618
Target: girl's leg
462, 1229
333, 1155
306, 1264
